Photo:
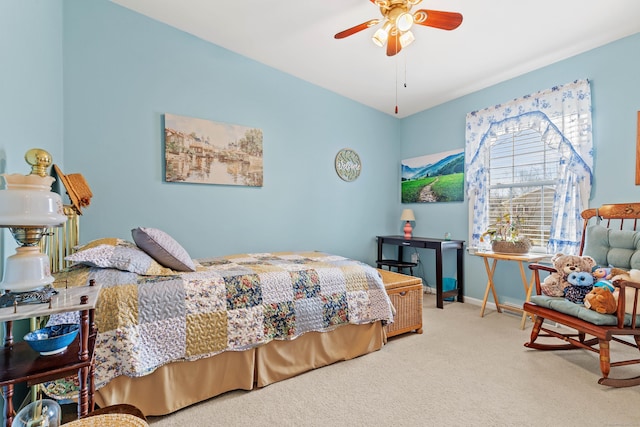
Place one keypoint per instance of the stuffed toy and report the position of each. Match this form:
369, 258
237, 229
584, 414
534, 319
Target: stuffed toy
620, 274
602, 273
632, 275
601, 300
554, 284
604, 283
580, 284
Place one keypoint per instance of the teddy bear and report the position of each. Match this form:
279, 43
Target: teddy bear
554, 284
580, 284
601, 300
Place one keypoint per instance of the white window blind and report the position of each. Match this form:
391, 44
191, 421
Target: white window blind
522, 175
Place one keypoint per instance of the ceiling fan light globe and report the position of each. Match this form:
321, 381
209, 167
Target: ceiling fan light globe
380, 37
406, 39
382, 34
404, 21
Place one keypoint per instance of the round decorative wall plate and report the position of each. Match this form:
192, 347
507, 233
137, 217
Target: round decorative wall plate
348, 164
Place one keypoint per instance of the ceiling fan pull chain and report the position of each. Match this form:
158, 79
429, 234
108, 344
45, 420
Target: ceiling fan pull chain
396, 85
405, 70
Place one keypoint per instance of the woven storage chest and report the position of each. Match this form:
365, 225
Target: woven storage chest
405, 293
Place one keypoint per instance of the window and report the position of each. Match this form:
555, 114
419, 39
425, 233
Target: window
532, 158
522, 172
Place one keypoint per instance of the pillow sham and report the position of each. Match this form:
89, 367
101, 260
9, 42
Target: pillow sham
163, 248
119, 254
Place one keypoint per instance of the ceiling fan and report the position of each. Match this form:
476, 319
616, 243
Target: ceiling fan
397, 22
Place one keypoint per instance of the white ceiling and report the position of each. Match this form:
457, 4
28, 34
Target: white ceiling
498, 40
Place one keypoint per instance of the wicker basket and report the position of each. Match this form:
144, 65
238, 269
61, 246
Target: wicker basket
504, 247
405, 293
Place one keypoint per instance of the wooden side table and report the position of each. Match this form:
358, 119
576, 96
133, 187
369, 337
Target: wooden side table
20, 363
528, 284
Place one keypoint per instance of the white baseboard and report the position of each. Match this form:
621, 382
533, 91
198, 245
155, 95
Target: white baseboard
468, 300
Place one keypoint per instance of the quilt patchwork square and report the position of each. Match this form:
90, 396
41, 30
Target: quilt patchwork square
246, 327
306, 283
359, 306
332, 281
205, 294
243, 291
276, 286
151, 296
335, 309
279, 320
309, 315
159, 343
355, 278
206, 333
117, 307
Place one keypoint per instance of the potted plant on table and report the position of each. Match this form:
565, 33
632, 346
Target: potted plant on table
505, 237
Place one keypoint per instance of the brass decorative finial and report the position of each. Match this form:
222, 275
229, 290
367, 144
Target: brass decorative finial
39, 160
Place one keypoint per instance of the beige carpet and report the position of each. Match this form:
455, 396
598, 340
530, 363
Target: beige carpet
463, 370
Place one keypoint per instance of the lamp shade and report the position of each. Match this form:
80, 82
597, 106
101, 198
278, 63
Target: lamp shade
28, 201
407, 215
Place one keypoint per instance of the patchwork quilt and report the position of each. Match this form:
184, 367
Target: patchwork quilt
230, 303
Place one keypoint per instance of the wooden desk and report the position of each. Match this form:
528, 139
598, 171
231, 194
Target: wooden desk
438, 245
528, 284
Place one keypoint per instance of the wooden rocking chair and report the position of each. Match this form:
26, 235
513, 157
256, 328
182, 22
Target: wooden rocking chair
610, 235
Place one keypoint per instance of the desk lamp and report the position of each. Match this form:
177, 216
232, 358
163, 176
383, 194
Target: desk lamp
407, 215
28, 207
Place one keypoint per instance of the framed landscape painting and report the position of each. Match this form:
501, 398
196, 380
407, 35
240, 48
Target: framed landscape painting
433, 178
205, 152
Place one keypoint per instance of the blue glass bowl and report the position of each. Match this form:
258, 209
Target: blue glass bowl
52, 339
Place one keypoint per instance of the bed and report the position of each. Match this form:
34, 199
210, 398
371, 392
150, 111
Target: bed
168, 339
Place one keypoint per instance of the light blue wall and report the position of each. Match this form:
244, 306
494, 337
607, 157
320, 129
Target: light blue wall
30, 85
615, 87
30, 94
123, 71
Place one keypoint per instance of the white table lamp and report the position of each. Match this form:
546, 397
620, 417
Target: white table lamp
407, 215
28, 207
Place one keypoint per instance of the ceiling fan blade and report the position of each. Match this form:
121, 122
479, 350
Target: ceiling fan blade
357, 28
393, 42
437, 19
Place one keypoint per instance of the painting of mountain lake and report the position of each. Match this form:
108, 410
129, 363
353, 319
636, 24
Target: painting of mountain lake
433, 178
205, 152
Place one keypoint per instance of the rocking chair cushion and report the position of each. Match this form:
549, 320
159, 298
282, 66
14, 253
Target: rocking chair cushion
576, 310
580, 311
611, 247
